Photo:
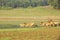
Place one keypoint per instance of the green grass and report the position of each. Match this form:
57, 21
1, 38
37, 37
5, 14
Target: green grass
17, 22
42, 33
29, 12
19, 29
28, 29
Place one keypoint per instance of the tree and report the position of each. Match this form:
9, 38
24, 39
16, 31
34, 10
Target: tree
55, 3
58, 4
22, 3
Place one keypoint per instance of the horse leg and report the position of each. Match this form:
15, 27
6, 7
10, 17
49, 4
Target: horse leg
59, 24
55, 25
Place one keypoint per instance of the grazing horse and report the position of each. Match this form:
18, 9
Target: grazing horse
29, 24
59, 24
43, 24
56, 24
50, 22
26, 25
22, 25
47, 24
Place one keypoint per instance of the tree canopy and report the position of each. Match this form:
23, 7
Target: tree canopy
27, 3
22, 3
55, 3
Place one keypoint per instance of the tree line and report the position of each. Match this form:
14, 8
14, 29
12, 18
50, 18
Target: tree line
55, 3
27, 3
22, 3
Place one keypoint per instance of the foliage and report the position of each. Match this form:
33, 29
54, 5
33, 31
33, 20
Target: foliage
55, 3
28, 3
22, 3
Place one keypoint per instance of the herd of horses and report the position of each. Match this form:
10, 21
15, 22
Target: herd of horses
49, 23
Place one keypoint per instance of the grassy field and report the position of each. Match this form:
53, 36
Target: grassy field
21, 15
30, 34
29, 12
36, 15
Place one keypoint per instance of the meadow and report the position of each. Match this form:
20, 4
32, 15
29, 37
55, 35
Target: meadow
30, 34
30, 12
36, 15
21, 15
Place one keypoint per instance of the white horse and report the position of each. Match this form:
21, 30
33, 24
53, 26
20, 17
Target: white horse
26, 25
29, 24
22, 25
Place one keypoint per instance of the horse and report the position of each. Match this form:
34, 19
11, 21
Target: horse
56, 24
47, 24
43, 24
22, 25
29, 24
26, 25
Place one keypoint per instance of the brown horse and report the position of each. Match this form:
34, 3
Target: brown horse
47, 24
56, 24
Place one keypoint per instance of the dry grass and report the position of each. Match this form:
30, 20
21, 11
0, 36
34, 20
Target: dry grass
31, 34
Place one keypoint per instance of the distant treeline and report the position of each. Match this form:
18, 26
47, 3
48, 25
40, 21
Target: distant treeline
55, 3
22, 3
29, 3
